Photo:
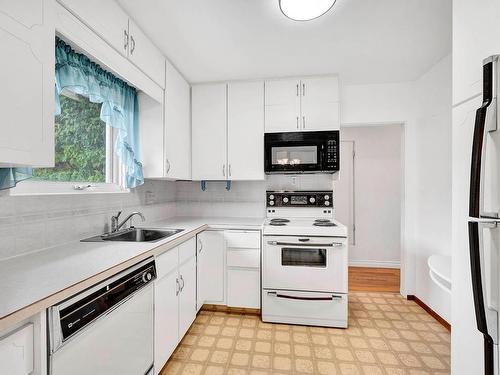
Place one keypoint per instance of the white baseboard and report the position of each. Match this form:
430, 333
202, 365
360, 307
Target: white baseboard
374, 264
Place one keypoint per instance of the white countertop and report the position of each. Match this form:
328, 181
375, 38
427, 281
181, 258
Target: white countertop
39, 277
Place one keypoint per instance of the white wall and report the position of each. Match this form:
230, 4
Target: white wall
377, 195
384, 104
422, 107
433, 140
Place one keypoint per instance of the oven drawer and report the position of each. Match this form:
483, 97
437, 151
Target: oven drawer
317, 264
307, 308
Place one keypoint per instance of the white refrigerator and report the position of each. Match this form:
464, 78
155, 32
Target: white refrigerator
484, 217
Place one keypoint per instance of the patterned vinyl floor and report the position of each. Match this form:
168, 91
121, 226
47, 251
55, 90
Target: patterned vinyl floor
387, 335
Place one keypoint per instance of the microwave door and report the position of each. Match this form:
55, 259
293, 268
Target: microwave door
484, 201
295, 157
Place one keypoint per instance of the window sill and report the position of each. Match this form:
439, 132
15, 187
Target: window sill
38, 188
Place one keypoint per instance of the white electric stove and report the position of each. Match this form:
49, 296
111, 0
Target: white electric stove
304, 262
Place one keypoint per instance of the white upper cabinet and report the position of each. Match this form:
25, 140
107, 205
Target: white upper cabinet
106, 18
282, 105
112, 23
302, 104
209, 132
151, 131
245, 131
27, 32
476, 31
177, 125
143, 53
320, 103
228, 128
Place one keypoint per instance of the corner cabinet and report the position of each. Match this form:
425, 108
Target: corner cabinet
228, 131
27, 32
307, 104
229, 268
211, 268
177, 125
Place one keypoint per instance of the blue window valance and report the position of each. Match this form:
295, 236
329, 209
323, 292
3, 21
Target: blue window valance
120, 110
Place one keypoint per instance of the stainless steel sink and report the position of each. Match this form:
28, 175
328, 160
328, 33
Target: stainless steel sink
135, 235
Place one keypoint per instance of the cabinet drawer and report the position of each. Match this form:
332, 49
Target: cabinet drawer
243, 288
329, 309
187, 250
16, 352
167, 262
240, 257
242, 239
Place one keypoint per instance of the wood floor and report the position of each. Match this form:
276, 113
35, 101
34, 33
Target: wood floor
362, 279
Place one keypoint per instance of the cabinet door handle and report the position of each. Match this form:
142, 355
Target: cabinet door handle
297, 122
297, 89
182, 286
132, 46
224, 170
177, 288
229, 170
200, 246
125, 40
168, 165
303, 89
303, 122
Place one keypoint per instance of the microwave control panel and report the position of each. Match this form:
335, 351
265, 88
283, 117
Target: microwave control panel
299, 199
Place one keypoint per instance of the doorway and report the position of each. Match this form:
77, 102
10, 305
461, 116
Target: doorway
368, 199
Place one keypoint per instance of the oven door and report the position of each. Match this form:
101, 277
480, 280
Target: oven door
293, 153
316, 264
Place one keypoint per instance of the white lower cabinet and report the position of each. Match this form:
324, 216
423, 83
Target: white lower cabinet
23, 348
243, 288
166, 316
243, 268
211, 268
175, 299
187, 295
16, 351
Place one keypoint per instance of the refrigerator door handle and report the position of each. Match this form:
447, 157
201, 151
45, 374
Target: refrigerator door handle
475, 197
486, 318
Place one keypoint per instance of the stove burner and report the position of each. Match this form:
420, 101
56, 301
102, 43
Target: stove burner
322, 221
324, 224
280, 220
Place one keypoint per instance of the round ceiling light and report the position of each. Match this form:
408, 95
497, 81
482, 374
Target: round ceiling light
305, 10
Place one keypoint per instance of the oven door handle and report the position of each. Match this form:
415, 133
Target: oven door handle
332, 244
285, 296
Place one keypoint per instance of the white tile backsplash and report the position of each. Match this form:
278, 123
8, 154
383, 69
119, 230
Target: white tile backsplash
30, 223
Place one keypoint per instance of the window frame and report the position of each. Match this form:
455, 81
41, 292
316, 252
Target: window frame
114, 177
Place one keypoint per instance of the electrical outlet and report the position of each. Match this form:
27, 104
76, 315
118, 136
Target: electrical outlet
149, 198
293, 180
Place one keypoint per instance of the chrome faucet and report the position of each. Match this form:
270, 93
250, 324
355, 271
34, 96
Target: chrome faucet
115, 226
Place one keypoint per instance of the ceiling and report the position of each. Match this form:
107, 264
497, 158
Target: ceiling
365, 41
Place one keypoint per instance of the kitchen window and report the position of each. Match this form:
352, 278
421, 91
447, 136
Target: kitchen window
83, 144
96, 131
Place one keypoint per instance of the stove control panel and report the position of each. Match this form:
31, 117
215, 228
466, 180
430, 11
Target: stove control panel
299, 199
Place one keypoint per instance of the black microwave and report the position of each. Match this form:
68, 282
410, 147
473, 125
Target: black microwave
302, 152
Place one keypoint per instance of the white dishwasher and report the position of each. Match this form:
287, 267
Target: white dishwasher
107, 329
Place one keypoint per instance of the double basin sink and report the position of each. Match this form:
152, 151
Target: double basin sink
135, 235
